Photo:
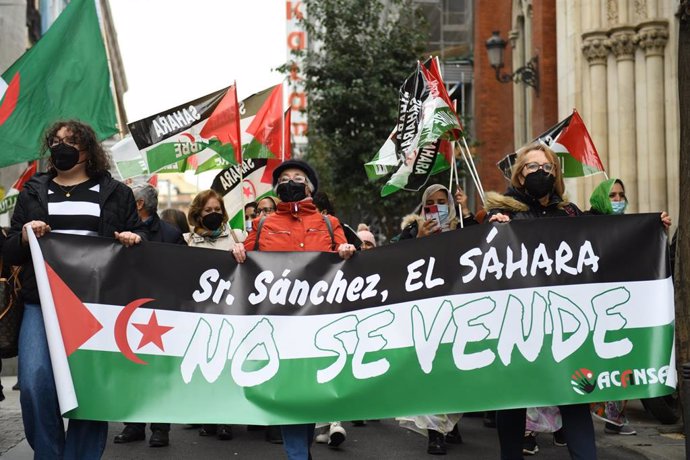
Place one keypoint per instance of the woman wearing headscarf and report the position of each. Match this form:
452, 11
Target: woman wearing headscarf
609, 198
421, 223
437, 214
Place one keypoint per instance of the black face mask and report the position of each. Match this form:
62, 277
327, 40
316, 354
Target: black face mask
539, 183
64, 157
212, 221
291, 191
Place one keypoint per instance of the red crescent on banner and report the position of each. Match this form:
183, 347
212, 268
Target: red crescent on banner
188, 136
121, 329
10, 100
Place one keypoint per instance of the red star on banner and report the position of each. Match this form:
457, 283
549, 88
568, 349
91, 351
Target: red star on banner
247, 191
152, 332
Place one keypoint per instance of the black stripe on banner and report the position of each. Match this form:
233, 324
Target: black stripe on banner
610, 249
149, 131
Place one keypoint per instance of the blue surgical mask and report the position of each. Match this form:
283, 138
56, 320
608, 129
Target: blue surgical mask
619, 206
442, 213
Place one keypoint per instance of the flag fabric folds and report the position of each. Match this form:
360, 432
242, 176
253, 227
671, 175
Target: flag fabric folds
426, 119
266, 128
63, 76
224, 123
571, 141
170, 137
251, 181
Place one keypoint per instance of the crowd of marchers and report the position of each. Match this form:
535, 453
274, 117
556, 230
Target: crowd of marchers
78, 195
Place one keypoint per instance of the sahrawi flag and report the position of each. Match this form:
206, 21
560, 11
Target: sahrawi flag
307, 337
571, 141
10, 200
65, 75
170, 137
425, 120
267, 128
253, 180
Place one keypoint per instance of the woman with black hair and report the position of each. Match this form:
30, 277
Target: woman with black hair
77, 195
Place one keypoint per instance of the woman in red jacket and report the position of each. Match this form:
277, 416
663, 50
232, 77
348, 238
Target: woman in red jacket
297, 225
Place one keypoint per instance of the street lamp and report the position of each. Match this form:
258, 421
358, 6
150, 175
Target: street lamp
527, 74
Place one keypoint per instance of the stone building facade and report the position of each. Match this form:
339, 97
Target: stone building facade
615, 61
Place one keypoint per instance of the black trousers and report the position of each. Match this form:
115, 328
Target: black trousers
577, 424
154, 426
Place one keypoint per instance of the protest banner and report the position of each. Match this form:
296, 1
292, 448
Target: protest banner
531, 313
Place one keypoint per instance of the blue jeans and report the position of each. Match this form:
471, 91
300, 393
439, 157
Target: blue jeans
577, 426
297, 440
43, 425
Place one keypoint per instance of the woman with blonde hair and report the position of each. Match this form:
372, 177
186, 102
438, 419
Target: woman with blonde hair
537, 190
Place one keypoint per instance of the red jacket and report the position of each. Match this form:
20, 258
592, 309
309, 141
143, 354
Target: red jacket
296, 226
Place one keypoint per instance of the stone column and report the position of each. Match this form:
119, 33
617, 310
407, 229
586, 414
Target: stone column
596, 49
652, 37
623, 48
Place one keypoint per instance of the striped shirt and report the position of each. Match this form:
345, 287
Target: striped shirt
79, 213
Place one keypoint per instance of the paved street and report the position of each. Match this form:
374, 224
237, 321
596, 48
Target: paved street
377, 440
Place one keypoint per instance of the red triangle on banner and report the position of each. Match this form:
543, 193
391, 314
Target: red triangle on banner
77, 323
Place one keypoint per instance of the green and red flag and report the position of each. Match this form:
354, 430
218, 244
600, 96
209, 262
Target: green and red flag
251, 181
571, 141
267, 128
426, 119
224, 123
63, 76
170, 137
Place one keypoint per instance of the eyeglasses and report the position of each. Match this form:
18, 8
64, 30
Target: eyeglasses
54, 141
534, 166
298, 179
267, 210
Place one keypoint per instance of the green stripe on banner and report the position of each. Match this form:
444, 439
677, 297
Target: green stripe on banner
294, 396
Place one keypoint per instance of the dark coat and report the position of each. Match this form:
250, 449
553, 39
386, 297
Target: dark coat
118, 214
162, 232
518, 205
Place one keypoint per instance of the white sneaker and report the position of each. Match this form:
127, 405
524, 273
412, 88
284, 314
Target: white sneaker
321, 438
336, 435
